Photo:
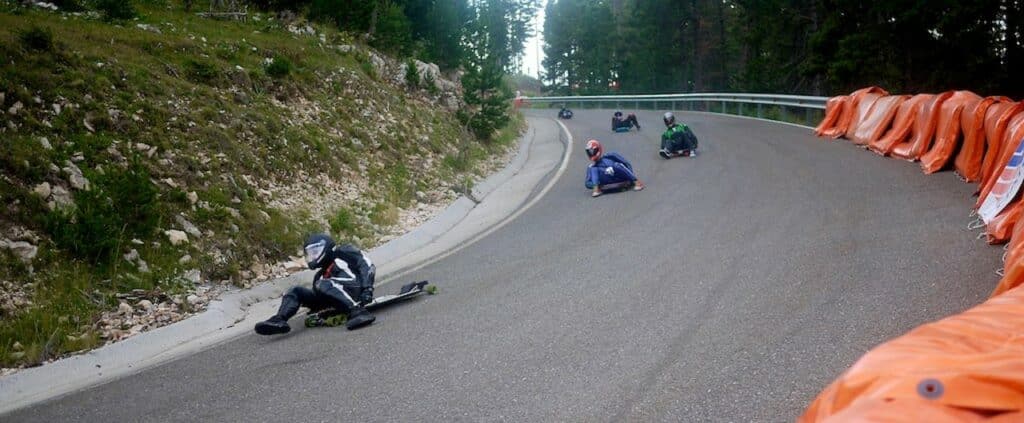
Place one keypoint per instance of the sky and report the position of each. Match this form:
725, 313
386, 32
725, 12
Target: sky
533, 54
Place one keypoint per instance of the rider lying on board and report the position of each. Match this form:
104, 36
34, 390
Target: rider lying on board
608, 168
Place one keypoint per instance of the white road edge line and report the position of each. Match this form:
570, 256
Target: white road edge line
558, 174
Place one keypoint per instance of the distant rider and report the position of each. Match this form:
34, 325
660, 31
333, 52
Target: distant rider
624, 122
608, 168
344, 281
564, 113
678, 139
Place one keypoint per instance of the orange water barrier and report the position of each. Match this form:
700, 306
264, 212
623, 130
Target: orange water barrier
968, 163
998, 230
923, 130
997, 119
1013, 130
844, 112
1013, 274
901, 125
968, 367
834, 109
947, 131
877, 119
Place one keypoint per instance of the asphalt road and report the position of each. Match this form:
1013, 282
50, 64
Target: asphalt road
734, 288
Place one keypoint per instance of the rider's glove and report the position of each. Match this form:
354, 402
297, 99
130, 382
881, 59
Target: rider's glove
609, 171
366, 296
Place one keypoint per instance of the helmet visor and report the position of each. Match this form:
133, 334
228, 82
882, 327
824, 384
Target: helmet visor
592, 152
315, 252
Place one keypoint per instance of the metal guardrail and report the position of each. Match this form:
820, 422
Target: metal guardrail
766, 106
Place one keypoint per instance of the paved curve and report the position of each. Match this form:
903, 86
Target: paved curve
734, 288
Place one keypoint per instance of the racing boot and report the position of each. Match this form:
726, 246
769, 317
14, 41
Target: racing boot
359, 317
273, 326
279, 323
639, 185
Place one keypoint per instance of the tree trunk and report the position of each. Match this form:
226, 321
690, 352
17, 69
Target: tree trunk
373, 17
697, 75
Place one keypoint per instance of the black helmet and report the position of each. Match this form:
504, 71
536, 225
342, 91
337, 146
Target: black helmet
618, 113
669, 118
316, 248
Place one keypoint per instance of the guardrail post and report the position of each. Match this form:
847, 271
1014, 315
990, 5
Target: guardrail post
724, 112
807, 113
674, 105
741, 109
782, 110
636, 105
759, 110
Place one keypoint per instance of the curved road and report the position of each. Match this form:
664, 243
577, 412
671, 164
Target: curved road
734, 288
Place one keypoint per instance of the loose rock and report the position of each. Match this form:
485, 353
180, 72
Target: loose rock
21, 249
42, 190
75, 177
188, 226
176, 237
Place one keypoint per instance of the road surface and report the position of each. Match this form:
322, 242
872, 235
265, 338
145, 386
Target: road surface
734, 288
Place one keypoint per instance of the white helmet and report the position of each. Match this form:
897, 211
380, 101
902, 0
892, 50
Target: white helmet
669, 118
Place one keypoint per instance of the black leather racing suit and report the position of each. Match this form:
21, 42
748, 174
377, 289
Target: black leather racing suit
346, 281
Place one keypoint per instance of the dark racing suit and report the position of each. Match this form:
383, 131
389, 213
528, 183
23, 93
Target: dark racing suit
346, 281
625, 122
678, 138
598, 174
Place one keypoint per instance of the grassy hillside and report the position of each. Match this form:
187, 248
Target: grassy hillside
120, 138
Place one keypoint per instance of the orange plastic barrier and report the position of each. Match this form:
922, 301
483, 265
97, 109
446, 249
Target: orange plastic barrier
878, 119
947, 132
972, 124
999, 229
861, 112
834, 108
924, 128
967, 367
997, 119
849, 111
1009, 141
1013, 274
901, 125
916, 411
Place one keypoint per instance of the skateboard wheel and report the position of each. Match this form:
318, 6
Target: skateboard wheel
432, 289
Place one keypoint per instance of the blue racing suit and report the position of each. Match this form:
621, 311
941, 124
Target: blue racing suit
598, 173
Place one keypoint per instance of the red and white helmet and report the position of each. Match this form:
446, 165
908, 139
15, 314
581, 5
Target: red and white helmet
594, 150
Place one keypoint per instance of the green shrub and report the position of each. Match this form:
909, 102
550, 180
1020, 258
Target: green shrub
400, 188
116, 10
368, 69
412, 75
69, 5
120, 206
280, 67
37, 39
343, 223
201, 71
383, 214
430, 84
